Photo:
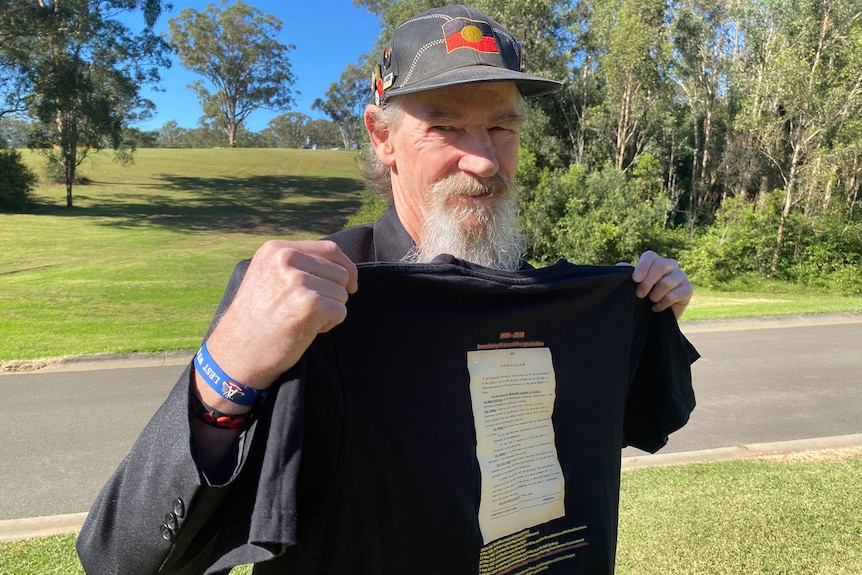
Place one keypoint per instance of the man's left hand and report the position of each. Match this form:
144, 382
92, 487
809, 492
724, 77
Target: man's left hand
663, 282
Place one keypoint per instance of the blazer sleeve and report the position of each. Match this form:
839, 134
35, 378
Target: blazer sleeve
158, 513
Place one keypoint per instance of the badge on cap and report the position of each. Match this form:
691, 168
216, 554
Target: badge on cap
380, 83
377, 85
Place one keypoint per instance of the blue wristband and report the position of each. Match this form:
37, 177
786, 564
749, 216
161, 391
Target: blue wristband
222, 384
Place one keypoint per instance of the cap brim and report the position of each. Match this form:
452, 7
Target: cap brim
528, 85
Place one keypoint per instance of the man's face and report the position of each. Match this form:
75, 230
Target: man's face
453, 158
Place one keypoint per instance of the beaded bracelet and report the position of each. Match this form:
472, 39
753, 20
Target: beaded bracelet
222, 384
216, 418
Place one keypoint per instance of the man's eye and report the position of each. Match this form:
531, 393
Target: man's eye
442, 128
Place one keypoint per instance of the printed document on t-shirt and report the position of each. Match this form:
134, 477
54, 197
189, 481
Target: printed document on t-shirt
513, 393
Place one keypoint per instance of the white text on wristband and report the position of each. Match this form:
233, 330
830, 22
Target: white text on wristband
221, 383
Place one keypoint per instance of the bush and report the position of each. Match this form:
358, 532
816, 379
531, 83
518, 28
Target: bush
822, 251
600, 217
739, 242
16, 182
832, 257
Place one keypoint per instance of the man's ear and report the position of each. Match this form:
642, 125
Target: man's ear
379, 135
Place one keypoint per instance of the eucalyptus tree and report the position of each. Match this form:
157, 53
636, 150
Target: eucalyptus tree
632, 59
234, 47
324, 134
289, 130
704, 38
77, 70
806, 87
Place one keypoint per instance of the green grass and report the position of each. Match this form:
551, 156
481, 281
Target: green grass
140, 262
42, 555
775, 299
792, 515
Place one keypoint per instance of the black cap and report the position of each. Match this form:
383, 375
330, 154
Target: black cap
452, 46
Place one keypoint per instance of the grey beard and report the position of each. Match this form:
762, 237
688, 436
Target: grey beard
493, 241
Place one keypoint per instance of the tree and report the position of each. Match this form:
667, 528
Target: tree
289, 130
80, 68
323, 133
140, 138
171, 135
12, 88
236, 51
346, 100
702, 38
807, 86
632, 64
14, 132
16, 181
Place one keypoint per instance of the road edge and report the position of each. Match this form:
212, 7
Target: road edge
18, 529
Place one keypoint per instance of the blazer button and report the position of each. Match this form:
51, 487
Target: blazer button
167, 533
171, 521
179, 508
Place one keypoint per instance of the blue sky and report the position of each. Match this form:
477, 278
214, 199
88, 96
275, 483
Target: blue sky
328, 35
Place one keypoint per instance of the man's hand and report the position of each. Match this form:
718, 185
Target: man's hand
291, 292
663, 282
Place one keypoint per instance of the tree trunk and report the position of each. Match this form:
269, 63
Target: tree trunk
231, 134
70, 162
785, 211
694, 200
706, 178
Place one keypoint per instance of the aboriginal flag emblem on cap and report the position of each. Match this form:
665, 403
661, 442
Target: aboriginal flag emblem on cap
467, 33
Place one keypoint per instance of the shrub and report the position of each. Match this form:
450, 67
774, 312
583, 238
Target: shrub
739, 242
823, 251
600, 217
832, 256
371, 208
16, 182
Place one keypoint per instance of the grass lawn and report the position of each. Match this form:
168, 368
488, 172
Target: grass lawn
776, 299
798, 514
784, 515
141, 261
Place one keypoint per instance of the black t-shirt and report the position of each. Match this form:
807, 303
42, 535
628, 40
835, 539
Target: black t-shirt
467, 421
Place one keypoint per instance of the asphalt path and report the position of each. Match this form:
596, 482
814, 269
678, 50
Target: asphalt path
67, 427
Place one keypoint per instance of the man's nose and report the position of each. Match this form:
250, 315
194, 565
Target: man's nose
478, 154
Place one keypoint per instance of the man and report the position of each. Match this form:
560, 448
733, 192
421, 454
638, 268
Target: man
248, 460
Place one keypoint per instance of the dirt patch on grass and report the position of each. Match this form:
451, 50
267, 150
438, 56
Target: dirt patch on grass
25, 365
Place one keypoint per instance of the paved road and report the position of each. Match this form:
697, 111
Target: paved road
65, 431
768, 384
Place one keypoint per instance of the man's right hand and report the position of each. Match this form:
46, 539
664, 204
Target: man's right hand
291, 292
